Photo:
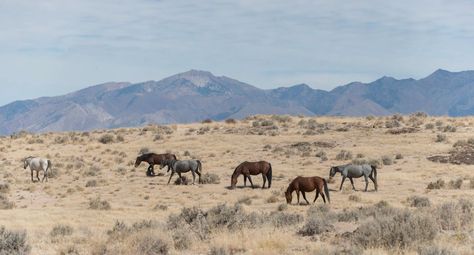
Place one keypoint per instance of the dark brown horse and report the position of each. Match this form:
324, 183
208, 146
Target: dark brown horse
307, 184
153, 159
252, 168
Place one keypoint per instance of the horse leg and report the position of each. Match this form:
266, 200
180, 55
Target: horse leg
304, 196
322, 194
298, 196
343, 179
194, 177
251, 183
366, 182
352, 182
245, 181
199, 174
374, 181
32, 176
171, 175
264, 180
152, 170
37, 175
316, 197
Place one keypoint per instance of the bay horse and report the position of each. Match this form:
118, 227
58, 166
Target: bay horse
38, 164
252, 168
308, 184
153, 159
183, 166
356, 171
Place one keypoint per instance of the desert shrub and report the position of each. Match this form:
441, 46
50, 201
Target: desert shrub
106, 139
455, 184
355, 198
387, 160
230, 121
5, 203
439, 184
392, 123
151, 245
91, 183
280, 219
61, 230
449, 128
344, 155
400, 230
181, 181
380, 209
429, 126
160, 207
266, 123
417, 201
282, 207
245, 200
187, 154
98, 204
440, 138
144, 150
435, 250
182, 239
281, 118
359, 161
398, 156
92, 171
209, 178
4, 187
471, 183
272, 199
315, 226
61, 139
13, 242
454, 216
120, 138
206, 121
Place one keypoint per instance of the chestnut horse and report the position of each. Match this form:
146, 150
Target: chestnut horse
153, 159
307, 184
252, 168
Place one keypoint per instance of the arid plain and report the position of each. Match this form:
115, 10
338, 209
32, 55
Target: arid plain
96, 202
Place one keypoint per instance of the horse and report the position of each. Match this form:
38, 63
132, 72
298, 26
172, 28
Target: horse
153, 159
307, 184
38, 164
252, 168
356, 171
183, 166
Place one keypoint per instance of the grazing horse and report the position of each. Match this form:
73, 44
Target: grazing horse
307, 184
183, 166
252, 168
153, 159
356, 171
38, 164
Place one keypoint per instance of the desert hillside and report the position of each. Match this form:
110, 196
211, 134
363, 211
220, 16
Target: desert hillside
97, 202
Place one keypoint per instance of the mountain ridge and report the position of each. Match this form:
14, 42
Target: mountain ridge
195, 95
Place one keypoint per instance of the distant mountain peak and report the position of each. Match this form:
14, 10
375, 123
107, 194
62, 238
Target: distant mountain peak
197, 77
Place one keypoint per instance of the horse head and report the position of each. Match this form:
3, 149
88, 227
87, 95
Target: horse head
26, 162
288, 197
333, 171
138, 161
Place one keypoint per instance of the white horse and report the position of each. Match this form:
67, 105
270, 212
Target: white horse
38, 164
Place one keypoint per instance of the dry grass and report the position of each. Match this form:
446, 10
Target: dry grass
294, 145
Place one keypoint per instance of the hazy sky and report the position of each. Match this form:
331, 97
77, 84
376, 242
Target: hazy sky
51, 47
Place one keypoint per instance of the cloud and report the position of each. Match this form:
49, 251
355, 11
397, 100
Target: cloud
55, 46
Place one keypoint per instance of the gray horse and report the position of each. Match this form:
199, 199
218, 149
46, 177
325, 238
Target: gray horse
183, 166
355, 171
38, 164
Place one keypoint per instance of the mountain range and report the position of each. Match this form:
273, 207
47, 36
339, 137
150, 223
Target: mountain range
196, 95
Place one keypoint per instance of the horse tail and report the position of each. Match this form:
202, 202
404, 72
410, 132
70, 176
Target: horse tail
269, 175
374, 170
199, 166
50, 166
326, 190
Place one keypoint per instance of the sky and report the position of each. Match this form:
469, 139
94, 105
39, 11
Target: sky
52, 47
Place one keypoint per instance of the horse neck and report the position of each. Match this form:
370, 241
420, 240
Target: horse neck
237, 172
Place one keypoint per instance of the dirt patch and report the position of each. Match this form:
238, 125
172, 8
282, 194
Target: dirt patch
459, 155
